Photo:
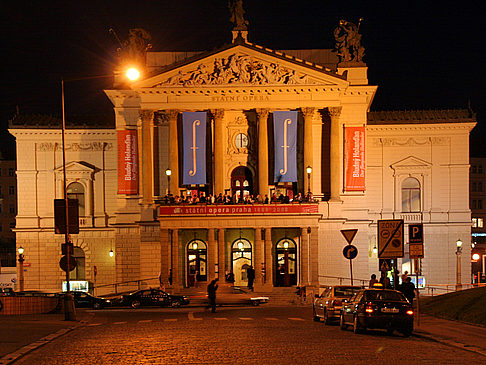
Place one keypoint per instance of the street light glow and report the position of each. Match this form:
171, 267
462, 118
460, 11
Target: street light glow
475, 257
20, 250
132, 74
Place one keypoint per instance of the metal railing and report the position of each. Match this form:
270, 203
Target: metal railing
340, 280
125, 286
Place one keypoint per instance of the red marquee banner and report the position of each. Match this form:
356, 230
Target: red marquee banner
355, 158
127, 162
254, 209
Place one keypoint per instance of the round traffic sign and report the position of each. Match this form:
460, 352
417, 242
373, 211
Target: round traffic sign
350, 252
64, 265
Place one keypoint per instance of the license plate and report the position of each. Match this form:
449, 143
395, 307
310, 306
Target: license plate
390, 310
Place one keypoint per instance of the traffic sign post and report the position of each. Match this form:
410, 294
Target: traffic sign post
390, 238
350, 252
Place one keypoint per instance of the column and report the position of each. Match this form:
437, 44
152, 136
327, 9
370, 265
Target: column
221, 255
155, 157
308, 145
314, 256
268, 259
304, 260
262, 115
165, 255
218, 115
211, 258
173, 151
146, 166
334, 113
176, 277
259, 258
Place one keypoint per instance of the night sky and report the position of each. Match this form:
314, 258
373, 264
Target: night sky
421, 55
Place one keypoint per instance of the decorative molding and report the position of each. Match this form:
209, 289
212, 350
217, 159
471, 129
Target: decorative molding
334, 111
237, 69
262, 113
218, 114
308, 112
87, 146
410, 141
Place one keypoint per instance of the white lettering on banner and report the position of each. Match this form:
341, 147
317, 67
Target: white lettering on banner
241, 98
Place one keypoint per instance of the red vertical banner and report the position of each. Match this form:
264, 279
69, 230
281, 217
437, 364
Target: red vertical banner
355, 158
127, 162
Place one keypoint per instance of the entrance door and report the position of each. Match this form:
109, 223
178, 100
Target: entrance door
286, 256
241, 182
196, 262
241, 259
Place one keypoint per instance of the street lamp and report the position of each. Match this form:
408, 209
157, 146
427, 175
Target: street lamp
309, 171
69, 311
21, 268
168, 172
458, 267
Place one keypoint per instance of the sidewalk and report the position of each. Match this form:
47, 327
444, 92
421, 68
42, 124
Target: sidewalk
452, 333
24, 333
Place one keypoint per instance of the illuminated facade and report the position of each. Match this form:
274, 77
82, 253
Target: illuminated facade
364, 167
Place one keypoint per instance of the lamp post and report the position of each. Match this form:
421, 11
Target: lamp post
131, 74
168, 172
309, 171
458, 268
21, 268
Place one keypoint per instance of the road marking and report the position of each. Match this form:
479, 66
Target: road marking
246, 319
296, 319
221, 319
170, 320
191, 317
119, 322
145, 321
95, 324
271, 319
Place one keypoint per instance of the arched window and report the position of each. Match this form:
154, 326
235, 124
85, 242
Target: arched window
410, 195
75, 190
196, 262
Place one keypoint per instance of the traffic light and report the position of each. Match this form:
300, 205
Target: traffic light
60, 216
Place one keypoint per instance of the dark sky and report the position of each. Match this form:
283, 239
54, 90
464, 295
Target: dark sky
421, 55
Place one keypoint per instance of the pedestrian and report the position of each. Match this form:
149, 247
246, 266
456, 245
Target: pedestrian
408, 289
384, 280
373, 280
404, 276
212, 287
250, 274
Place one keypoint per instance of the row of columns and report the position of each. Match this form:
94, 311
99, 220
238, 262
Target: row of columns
149, 164
172, 252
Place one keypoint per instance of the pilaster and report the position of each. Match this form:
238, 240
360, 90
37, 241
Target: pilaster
334, 113
262, 115
218, 115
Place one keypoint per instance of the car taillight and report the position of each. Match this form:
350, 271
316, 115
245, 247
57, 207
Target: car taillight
369, 308
409, 312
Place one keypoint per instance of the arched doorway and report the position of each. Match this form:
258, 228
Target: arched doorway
75, 190
196, 262
286, 265
79, 272
241, 259
241, 182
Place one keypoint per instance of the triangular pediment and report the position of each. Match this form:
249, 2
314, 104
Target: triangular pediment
411, 162
78, 167
244, 65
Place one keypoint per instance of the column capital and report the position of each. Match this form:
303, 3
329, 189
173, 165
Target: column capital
308, 112
334, 111
262, 113
147, 114
218, 114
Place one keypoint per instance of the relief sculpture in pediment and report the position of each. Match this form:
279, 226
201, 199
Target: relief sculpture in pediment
237, 69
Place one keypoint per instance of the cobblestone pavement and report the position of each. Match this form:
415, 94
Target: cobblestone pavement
259, 335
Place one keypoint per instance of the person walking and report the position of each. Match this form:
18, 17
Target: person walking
373, 280
212, 287
408, 289
250, 274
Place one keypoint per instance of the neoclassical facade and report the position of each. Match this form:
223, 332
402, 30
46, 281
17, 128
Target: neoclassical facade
245, 121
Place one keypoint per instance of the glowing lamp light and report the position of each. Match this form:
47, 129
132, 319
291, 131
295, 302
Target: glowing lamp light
309, 169
168, 172
132, 74
459, 243
111, 253
375, 249
240, 246
194, 246
20, 250
286, 244
475, 257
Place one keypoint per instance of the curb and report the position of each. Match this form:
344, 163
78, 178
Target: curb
14, 356
448, 342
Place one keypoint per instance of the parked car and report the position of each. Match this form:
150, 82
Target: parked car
328, 305
234, 295
86, 300
378, 308
154, 298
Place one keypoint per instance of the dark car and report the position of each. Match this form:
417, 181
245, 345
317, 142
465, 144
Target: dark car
328, 305
234, 295
85, 300
153, 298
378, 308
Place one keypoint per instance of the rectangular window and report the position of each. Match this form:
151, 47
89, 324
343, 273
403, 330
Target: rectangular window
1, 208
473, 186
474, 204
480, 223
11, 209
480, 169
480, 204
473, 169
11, 172
474, 222
11, 190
